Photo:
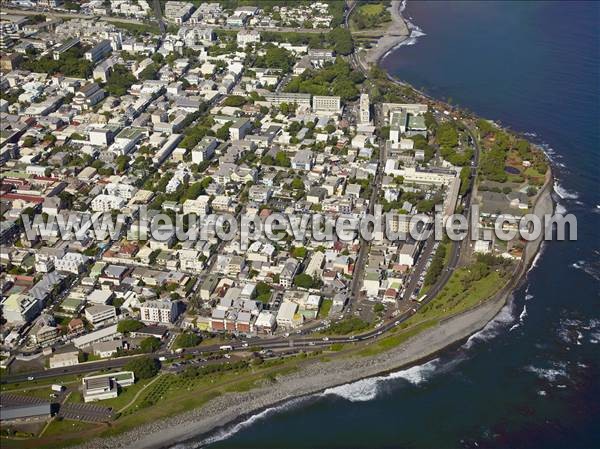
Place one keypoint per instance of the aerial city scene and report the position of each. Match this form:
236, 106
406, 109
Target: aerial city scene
308, 224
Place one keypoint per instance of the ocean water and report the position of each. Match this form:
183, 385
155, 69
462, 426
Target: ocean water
530, 378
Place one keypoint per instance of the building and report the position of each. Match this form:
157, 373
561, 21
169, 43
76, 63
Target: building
106, 203
104, 334
290, 268
20, 308
322, 103
286, 313
204, 150
159, 311
105, 386
239, 129
101, 315
245, 37
99, 51
276, 99
64, 359
25, 413
302, 160
364, 114
71, 262
88, 96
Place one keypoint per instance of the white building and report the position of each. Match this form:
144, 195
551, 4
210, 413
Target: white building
365, 114
245, 37
158, 312
101, 315
64, 359
285, 315
106, 203
322, 103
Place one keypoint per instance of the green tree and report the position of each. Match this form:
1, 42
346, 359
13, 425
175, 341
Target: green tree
126, 326
186, 340
143, 367
150, 344
303, 280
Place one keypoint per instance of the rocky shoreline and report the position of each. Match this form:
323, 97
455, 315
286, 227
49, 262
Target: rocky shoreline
227, 409
316, 377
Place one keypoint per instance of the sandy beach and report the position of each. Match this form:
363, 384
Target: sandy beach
397, 32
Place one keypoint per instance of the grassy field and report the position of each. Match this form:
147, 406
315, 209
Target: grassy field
65, 426
325, 308
371, 9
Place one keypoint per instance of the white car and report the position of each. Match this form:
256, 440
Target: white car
325, 338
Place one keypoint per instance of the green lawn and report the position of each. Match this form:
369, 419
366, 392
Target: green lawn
125, 395
325, 308
65, 426
371, 9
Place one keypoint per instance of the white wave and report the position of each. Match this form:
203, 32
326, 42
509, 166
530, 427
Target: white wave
494, 327
229, 431
586, 268
366, 389
528, 297
530, 134
560, 209
359, 391
549, 374
522, 317
564, 193
537, 257
542, 393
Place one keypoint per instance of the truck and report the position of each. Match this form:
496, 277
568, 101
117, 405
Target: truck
57, 388
226, 348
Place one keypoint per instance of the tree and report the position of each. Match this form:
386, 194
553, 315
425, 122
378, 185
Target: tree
143, 367
297, 184
223, 131
341, 39
29, 141
149, 344
303, 280
119, 81
186, 340
126, 326
263, 292
235, 101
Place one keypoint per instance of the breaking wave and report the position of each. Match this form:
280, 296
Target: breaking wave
230, 431
367, 389
549, 374
522, 317
564, 193
494, 327
589, 269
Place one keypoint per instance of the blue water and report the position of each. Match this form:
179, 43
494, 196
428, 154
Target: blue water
530, 379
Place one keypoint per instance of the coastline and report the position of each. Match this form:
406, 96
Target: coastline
223, 411
316, 377
396, 33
